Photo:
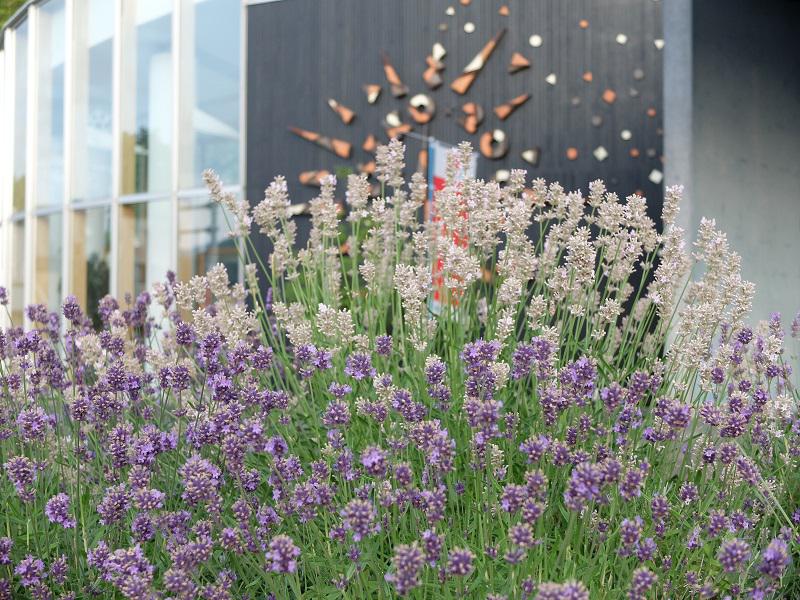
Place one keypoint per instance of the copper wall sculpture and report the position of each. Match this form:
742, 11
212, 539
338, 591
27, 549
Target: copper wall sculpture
313, 178
518, 63
372, 90
339, 147
463, 82
503, 111
396, 85
432, 75
473, 117
344, 113
370, 144
587, 89
532, 156
494, 144
422, 108
394, 125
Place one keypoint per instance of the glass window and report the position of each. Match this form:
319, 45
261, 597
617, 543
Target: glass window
17, 272
20, 113
145, 239
3, 117
50, 115
211, 85
2, 89
47, 267
5, 143
203, 239
91, 257
147, 83
94, 59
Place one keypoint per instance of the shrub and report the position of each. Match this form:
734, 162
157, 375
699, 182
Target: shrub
481, 405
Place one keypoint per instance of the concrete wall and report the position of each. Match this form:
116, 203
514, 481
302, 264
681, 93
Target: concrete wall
746, 139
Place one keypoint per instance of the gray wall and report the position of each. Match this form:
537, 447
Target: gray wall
301, 52
746, 139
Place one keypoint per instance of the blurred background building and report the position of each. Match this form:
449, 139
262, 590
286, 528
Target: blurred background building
732, 133
111, 109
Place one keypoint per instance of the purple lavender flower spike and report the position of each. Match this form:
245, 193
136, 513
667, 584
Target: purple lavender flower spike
374, 461
775, 559
733, 554
30, 571
359, 366
459, 562
115, 504
383, 345
571, 590
6, 544
72, 310
20, 470
359, 517
406, 565
643, 579
337, 414
432, 545
57, 511
200, 480
283, 554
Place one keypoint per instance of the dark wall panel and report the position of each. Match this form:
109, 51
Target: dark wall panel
301, 52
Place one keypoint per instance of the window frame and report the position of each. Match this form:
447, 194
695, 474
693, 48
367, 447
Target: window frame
69, 206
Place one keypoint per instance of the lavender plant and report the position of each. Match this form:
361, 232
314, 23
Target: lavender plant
535, 394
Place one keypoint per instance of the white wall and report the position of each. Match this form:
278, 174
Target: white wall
744, 146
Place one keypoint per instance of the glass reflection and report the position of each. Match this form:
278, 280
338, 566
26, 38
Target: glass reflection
147, 80
47, 276
145, 238
20, 113
50, 114
212, 91
203, 240
91, 258
17, 272
94, 48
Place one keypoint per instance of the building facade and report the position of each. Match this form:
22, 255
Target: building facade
732, 134
110, 110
